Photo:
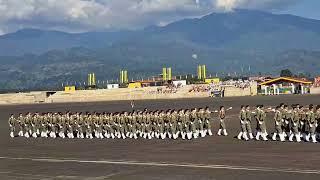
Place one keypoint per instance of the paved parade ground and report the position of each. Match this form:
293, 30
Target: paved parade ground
204, 158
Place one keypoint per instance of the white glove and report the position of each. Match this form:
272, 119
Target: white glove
287, 122
191, 122
200, 121
302, 123
311, 125
208, 121
277, 123
260, 122
294, 124
179, 123
282, 120
242, 122
170, 124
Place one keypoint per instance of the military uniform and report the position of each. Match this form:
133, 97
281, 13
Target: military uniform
278, 125
222, 128
201, 121
243, 122
53, 125
207, 122
295, 125
173, 124
249, 122
311, 122
88, 124
12, 125
261, 126
193, 123
187, 124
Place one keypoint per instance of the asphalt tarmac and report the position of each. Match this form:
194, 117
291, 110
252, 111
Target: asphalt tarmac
204, 158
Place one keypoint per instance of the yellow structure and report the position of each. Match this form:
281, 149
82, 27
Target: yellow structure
69, 88
126, 76
164, 74
212, 80
91, 79
123, 76
134, 85
169, 73
199, 72
202, 72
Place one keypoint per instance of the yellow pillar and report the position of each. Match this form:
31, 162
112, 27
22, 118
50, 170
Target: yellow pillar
169, 73
164, 74
93, 79
204, 73
125, 76
199, 72
89, 79
121, 76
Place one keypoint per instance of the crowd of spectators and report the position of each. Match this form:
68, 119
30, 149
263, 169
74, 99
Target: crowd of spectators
238, 84
168, 89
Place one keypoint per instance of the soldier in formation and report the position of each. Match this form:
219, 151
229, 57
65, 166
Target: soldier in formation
173, 124
294, 124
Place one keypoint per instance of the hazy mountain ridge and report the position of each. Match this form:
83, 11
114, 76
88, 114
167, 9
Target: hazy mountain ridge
243, 41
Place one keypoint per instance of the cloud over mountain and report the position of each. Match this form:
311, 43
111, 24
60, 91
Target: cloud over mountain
86, 15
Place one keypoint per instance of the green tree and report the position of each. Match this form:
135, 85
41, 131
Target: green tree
286, 73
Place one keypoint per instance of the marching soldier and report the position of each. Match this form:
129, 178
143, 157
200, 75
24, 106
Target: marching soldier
312, 123
62, 125
88, 124
243, 122
133, 124
295, 124
222, 116
207, 121
261, 117
80, 124
12, 125
193, 123
187, 123
35, 125
248, 121
278, 125
53, 125
201, 121
122, 125
173, 124
161, 124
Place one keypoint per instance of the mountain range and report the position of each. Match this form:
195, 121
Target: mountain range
242, 41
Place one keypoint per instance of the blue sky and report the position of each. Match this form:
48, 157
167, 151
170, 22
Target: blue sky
305, 8
97, 15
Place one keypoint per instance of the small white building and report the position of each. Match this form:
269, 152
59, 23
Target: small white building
112, 86
179, 83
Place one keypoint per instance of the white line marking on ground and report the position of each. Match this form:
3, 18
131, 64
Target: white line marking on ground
164, 164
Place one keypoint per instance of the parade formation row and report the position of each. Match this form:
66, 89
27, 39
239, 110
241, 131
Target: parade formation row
290, 123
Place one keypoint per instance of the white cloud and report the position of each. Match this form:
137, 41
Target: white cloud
84, 15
